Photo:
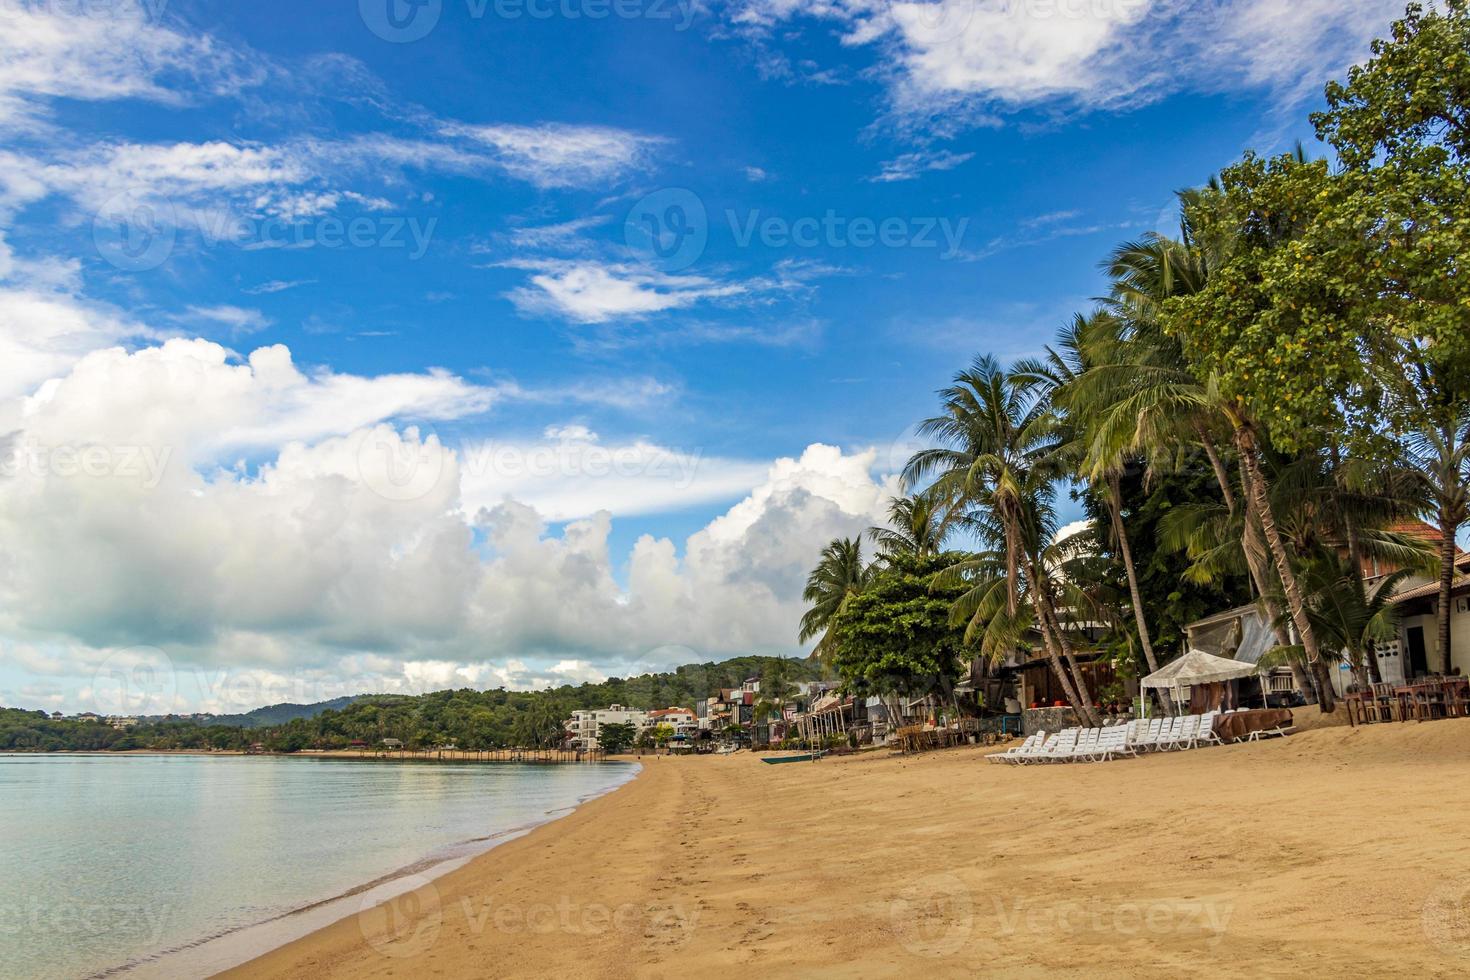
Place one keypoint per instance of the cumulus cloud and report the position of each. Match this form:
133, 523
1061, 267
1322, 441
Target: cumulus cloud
362, 554
44, 332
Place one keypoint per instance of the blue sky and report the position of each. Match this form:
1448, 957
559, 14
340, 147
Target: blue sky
442, 228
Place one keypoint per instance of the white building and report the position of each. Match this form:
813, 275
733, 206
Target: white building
585, 726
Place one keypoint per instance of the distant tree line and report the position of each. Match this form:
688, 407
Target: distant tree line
467, 718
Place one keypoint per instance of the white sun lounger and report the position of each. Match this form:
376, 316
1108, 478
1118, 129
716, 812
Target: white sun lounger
1059, 747
1169, 738
1015, 753
1149, 740
1114, 743
1087, 743
1207, 734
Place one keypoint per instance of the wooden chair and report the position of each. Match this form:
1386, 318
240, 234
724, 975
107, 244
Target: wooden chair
1459, 696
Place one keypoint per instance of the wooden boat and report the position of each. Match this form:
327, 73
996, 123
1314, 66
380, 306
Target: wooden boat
803, 757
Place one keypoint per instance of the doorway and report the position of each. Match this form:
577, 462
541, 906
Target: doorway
1418, 660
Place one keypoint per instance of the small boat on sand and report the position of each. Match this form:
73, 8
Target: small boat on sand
802, 757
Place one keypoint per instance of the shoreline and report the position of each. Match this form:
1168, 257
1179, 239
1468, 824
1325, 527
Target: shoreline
223, 951
942, 865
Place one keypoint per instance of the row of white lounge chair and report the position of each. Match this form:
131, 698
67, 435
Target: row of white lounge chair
1097, 744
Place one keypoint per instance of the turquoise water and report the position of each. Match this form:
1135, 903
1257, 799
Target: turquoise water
107, 860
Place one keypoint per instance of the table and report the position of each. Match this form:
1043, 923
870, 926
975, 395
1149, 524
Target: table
1239, 725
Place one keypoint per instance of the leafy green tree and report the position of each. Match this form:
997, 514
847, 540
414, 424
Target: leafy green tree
614, 737
897, 637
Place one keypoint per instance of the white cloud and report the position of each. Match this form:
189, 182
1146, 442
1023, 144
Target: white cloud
594, 292
559, 235
571, 473
909, 166
100, 52
957, 57
238, 318
43, 333
347, 559
561, 155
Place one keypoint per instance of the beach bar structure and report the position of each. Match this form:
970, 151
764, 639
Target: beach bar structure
830, 714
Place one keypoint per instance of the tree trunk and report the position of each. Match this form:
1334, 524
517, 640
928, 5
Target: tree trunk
1446, 585
1256, 485
1222, 477
1368, 668
1115, 509
1055, 651
1084, 695
1256, 559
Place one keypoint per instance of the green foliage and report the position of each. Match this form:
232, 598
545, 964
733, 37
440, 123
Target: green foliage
897, 636
615, 737
1276, 331
473, 720
1170, 597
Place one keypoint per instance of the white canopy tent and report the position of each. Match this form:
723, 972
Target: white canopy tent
1198, 667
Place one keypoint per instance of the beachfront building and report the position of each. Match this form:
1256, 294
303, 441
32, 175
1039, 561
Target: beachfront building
584, 727
1245, 634
681, 720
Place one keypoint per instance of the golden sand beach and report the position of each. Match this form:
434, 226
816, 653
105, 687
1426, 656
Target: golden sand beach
1332, 851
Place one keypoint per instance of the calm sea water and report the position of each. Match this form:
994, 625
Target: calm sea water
108, 860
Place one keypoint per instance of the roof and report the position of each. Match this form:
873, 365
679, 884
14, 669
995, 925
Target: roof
1458, 586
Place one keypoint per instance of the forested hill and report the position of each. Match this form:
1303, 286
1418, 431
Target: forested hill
471, 719
279, 714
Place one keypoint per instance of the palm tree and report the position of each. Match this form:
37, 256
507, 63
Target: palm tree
1351, 616
918, 525
840, 573
1163, 393
1099, 462
996, 462
1438, 405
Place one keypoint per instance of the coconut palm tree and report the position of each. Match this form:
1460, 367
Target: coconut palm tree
1163, 392
917, 525
1350, 616
840, 573
996, 461
1099, 462
1436, 400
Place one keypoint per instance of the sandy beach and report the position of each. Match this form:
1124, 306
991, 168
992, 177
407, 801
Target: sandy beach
1333, 850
